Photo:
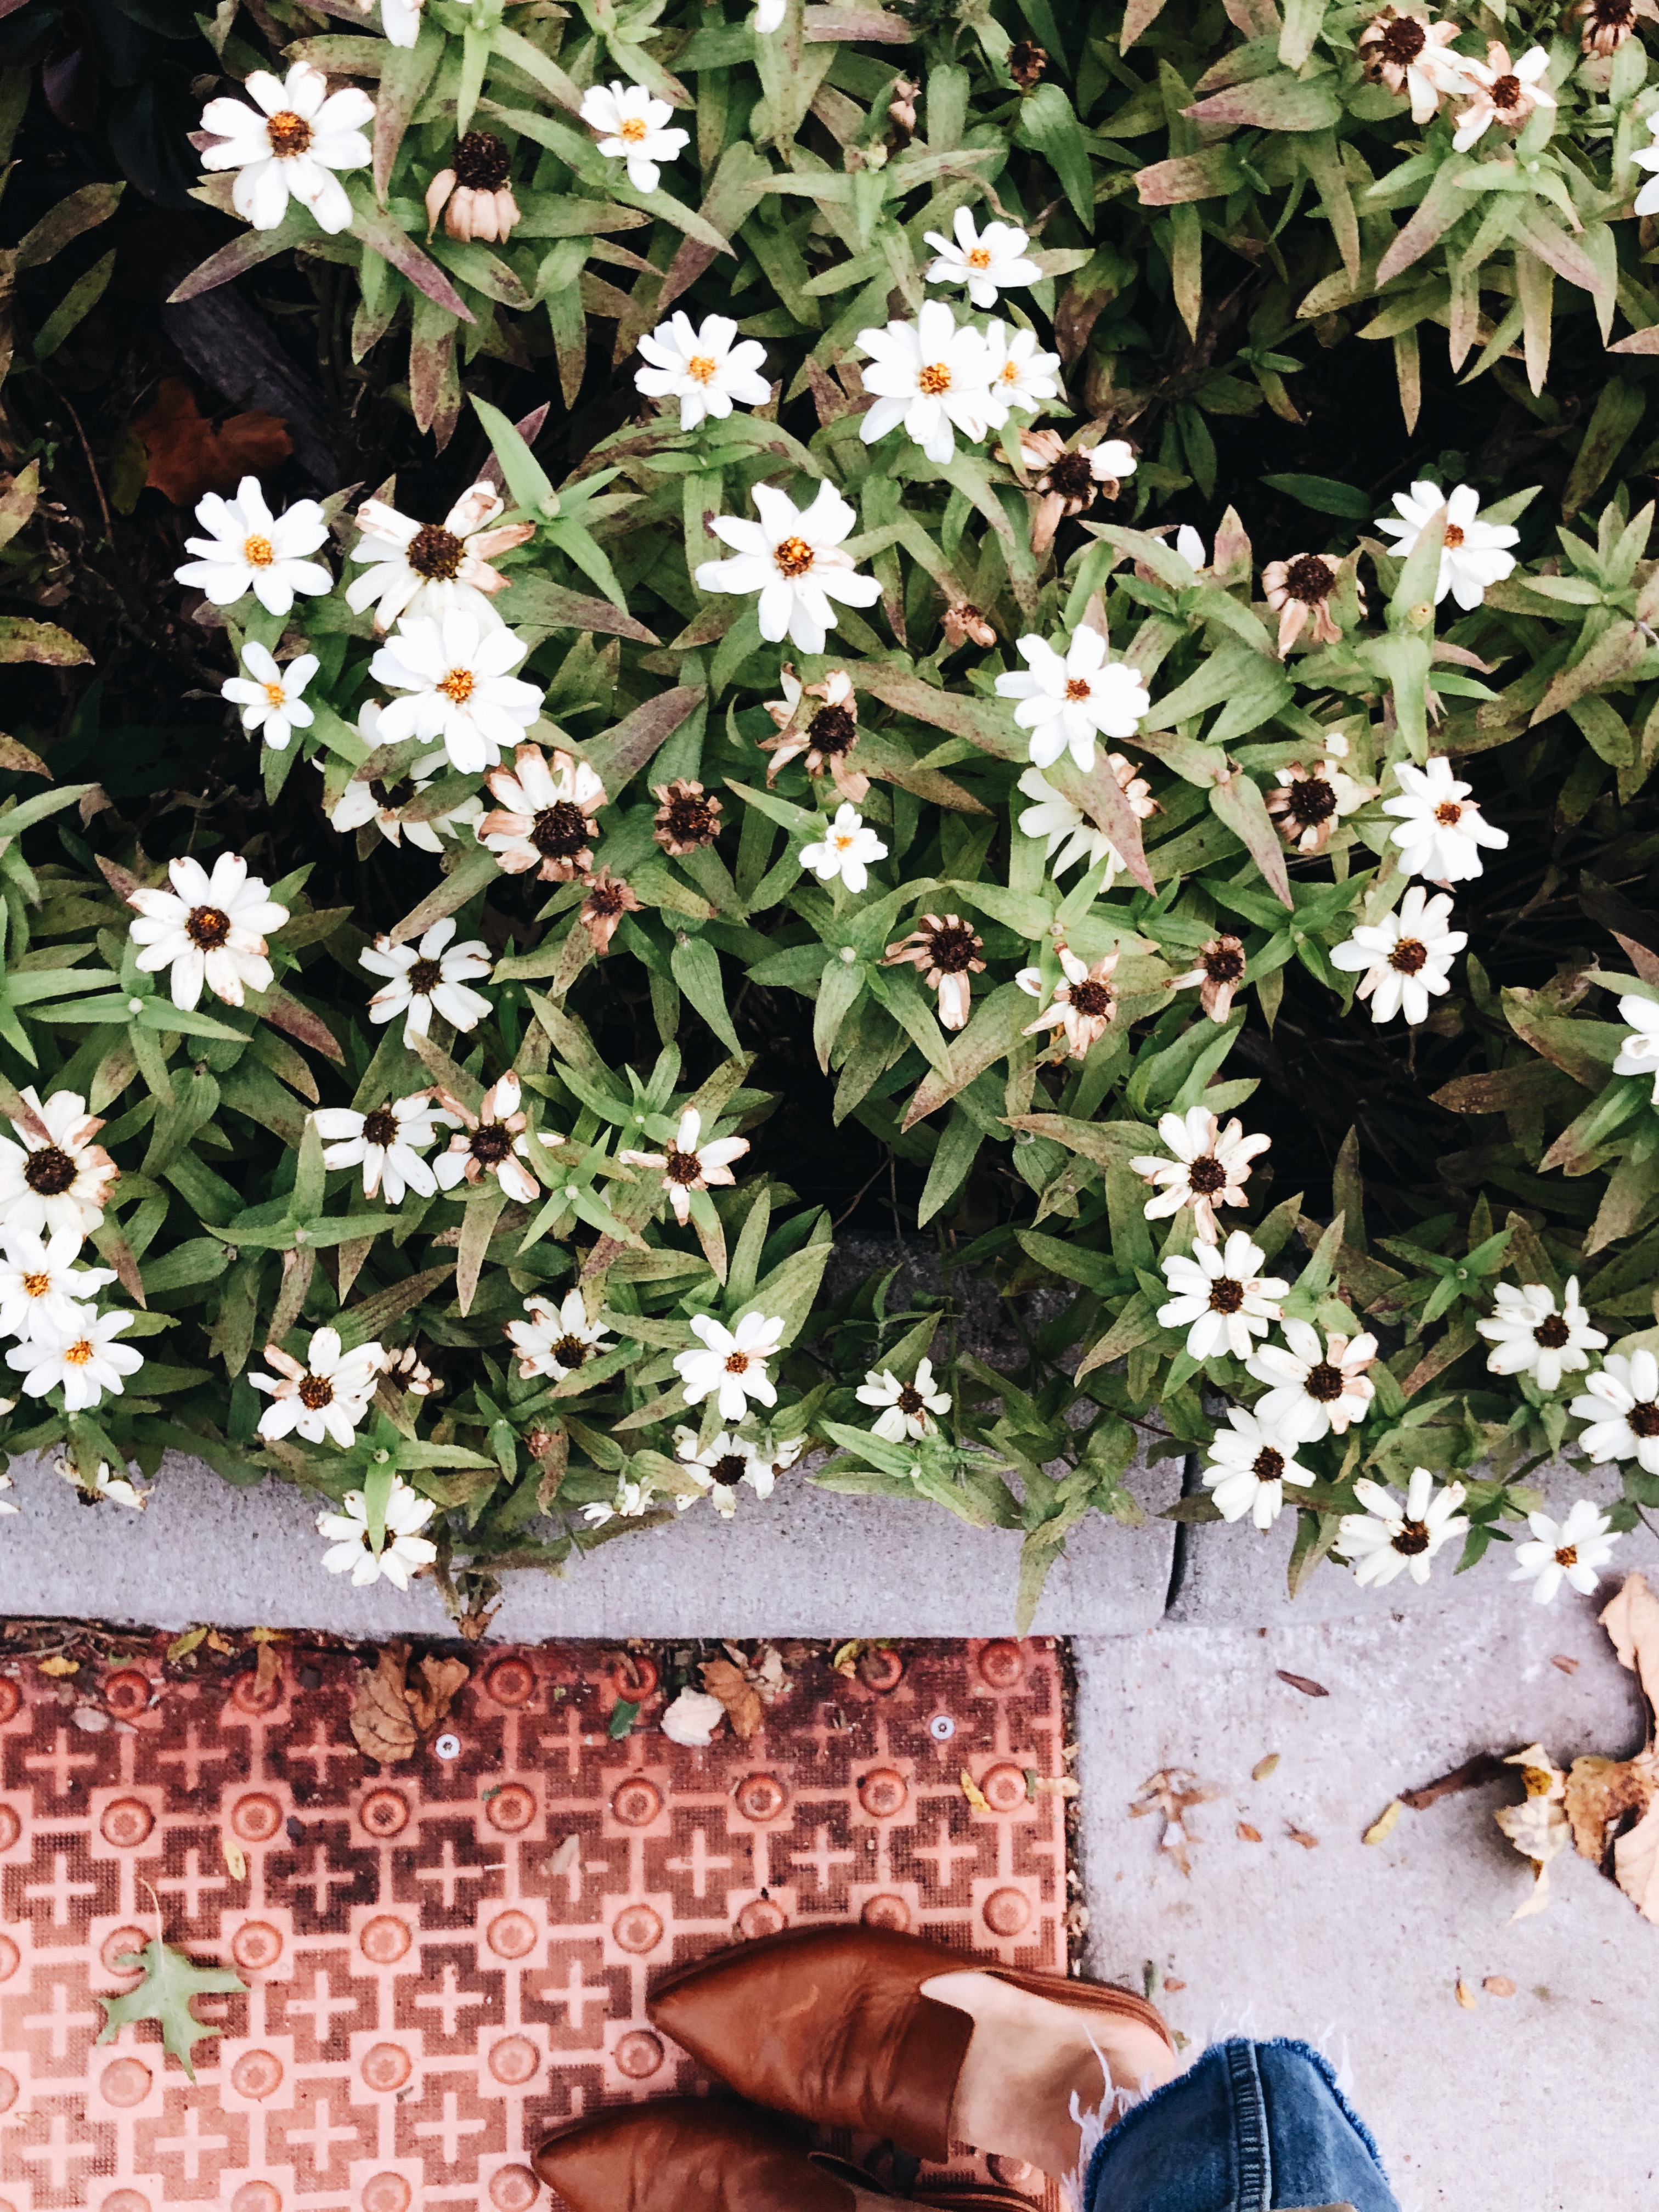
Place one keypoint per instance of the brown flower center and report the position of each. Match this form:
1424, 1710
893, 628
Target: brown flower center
571, 1352
1310, 801
392, 796
1567, 1556
1222, 964
1269, 1465
681, 1167
1642, 1420
1454, 538
1403, 41
1552, 1334
1409, 956
1226, 1295
1026, 62
50, 1171
1072, 477
436, 554
289, 135
80, 1354
207, 927
491, 1144
910, 1400
737, 1363
1413, 1537
729, 1469
1206, 1176
688, 819
793, 556
380, 1127
481, 162
1092, 999
37, 1285
1309, 579
1077, 688
933, 379
559, 832
458, 686
1608, 13
606, 899
316, 1391
832, 730
1449, 814
1506, 93
951, 948
1324, 1383
424, 978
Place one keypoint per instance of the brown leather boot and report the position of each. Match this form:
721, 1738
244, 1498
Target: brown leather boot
830, 2024
691, 2154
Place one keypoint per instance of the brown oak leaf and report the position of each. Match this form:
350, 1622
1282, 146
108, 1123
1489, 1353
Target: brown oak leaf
190, 454
381, 1718
741, 1699
430, 1700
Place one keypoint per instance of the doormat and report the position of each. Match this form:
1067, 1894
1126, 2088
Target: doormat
447, 1958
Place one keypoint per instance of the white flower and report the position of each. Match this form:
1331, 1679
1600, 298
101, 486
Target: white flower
1250, 1464
986, 261
845, 850
327, 1396
1621, 1402
911, 1405
427, 569
428, 978
207, 929
687, 1166
728, 1460
492, 1142
1070, 833
119, 1489
42, 1291
1502, 92
1647, 200
631, 124
401, 20
557, 1339
1022, 376
404, 1548
454, 674
793, 558
361, 803
769, 17
1474, 555
1406, 957
6, 1505
544, 816
1069, 702
386, 1142
702, 368
695, 1715
1190, 546
1441, 829
732, 1362
290, 144
932, 377
1389, 1539
1530, 1337
83, 1356
1316, 1388
271, 698
57, 1177
1220, 1298
249, 550
1566, 1550
1211, 1168
1640, 1052
633, 1499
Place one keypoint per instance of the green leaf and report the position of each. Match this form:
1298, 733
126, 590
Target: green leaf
528, 481
696, 969
1047, 122
1326, 496
170, 1981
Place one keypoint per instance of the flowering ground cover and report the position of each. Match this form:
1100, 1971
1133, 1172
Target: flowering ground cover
636, 637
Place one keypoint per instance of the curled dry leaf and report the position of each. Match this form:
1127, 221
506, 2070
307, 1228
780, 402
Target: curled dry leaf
1247, 1834
189, 455
1308, 1686
1466, 1996
1383, 1826
1540, 1827
743, 1706
565, 1856
1264, 1768
1601, 1793
1173, 1791
267, 1672
974, 1793
1301, 1836
235, 1858
381, 1718
432, 1695
1499, 1985
693, 1717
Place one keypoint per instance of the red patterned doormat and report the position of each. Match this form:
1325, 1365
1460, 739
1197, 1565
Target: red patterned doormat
437, 1973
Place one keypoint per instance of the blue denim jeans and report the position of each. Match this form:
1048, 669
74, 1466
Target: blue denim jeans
1253, 2127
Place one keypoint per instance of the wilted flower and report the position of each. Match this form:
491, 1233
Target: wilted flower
103, 1483
473, 194
1069, 479
325, 1396
686, 817
1502, 92
945, 950
410, 1373
250, 550
1608, 23
702, 368
901, 108
290, 144
544, 816
430, 978
964, 622
1084, 1003
1026, 63
1474, 554
271, 698
1070, 833
1441, 829
1219, 973
1390, 1538
1299, 592
491, 1142
687, 1164
1310, 802
608, 900
826, 735
1528, 1336
1210, 1168
986, 261
429, 568
1402, 49
57, 1178
793, 558
909, 1407
557, 1339
632, 127
1405, 958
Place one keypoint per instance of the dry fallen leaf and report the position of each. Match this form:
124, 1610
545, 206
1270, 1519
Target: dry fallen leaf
974, 1793
1466, 1996
565, 1856
235, 1858
1601, 1791
1632, 1619
1264, 1768
1173, 1790
189, 454
1301, 1836
742, 1700
846, 1658
182, 1646
1247, 1834
218, 1641
268, 1673
1383, 1826
58, 1666
381, 1718
1051, 1785
1540, 1827
1499, 1985
430, 1698
1302, 1682
1170, 1982
1567, 1666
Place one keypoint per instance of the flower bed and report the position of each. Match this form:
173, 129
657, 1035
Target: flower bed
1104, 712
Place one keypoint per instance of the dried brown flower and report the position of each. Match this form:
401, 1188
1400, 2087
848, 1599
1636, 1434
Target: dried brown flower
608, 900
944, 949
686, 817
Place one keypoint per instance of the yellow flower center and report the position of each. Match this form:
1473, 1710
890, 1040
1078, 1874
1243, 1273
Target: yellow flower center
794, 555
631, 130
37, 1285
1009, 373
78, 1355
700, 368
933, 379
458, 685
259, 552
276, 693
289, 135
979, 259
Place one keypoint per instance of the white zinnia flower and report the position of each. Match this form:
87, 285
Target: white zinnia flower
56, 1178
271, 698
732, 1362
686, 1164
1473, 555
728, 1460
1389, 1538
1021, 374
1530, 1337
1647, 200
42, 1291
1640, 1052
1211, 1168
1068, 703
84, 1358
1406, 957
1072, 836
557, 1339
845, 850
1441, 829
631, 124
1249, 1464
401, 20
1621, 1402
427, 569
1317, 1388
404, 1549
793, 558
933, 377
454, 675
702, 368
1566, 1550
432, 977
1221, 1299
386, 1142
361, 803
910, 1407
247, 549
290, 144
986, 261
119, 1489
325, 1396
207, 929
